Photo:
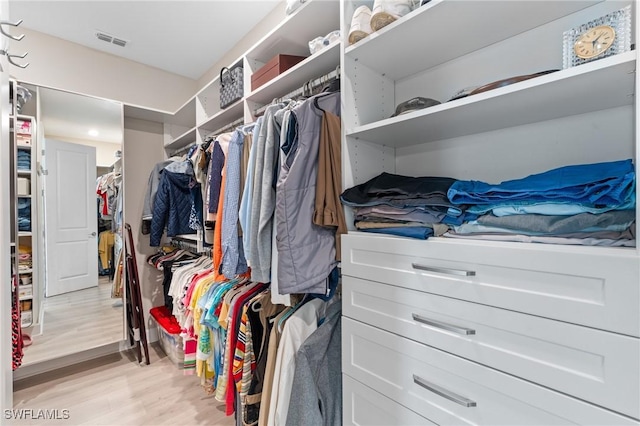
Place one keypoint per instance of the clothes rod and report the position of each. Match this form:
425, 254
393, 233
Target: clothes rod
182, 150
229, 127
308, 86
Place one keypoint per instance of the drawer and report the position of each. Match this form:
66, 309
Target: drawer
593, 286
590, 364
365, 406
448, 389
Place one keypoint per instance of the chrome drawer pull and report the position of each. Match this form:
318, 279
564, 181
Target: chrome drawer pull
444, 393
443, 325
444, 270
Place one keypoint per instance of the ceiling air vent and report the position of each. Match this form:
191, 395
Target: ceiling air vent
101, 35
119, 42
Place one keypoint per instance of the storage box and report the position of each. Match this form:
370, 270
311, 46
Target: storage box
24, 186
25, 291
169, 335
26, 318
23, 127
23, 140
276, 66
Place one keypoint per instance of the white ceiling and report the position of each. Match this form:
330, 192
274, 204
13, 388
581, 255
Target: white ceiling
68, 115
182, 37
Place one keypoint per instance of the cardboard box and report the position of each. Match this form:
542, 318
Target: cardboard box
276, 66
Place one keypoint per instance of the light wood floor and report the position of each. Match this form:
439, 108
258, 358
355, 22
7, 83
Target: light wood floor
75, 322
115, 390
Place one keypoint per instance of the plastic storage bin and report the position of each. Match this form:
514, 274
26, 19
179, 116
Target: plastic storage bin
169, 335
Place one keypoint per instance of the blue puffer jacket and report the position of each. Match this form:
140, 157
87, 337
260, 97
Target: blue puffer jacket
177, 193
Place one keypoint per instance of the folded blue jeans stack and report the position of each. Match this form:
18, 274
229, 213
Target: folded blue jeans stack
24, 214
590, 204
24, 160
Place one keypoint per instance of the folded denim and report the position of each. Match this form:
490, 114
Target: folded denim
550, 209
599, 184
474, 227
416, 232
526, 223
438, 228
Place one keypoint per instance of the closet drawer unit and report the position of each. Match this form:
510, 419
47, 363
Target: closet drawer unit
593, 286
590, 364
365, 406
447, 389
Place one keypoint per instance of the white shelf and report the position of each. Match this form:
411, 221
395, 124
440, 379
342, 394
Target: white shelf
228, 115
26, 298
313, 67
443, 30
24, 172
23, 195
183, 140
610, 84
25, 271
25, 234
25, 147
291, 37
621, 252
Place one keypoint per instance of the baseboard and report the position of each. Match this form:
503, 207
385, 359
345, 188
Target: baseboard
39, 368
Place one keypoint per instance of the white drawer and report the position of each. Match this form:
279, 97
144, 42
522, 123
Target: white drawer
364, 406
448, 389
593, 286
594, 365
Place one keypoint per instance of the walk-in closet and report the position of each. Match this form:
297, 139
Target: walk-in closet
319, 212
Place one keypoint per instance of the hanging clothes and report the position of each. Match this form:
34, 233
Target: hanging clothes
316, 390
328, 210
306, 251
17, 343
176, 203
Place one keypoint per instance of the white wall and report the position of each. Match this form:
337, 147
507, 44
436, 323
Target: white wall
105, 151
143, 148
260, 30
61, 64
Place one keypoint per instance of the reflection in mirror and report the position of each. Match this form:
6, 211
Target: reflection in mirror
79, 288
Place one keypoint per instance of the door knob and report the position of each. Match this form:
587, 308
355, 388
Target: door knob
93, 234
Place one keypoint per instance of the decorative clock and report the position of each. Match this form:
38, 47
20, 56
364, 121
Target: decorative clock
603, 37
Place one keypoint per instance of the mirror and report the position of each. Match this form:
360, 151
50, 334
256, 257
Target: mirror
77, 298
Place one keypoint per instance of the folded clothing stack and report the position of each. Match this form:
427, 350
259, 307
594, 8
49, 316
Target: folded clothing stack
24, 259
24, 160
415, 207
24, 214
587, 204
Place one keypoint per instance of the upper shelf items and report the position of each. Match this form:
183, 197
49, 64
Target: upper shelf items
610, 82
398, 50
291, 37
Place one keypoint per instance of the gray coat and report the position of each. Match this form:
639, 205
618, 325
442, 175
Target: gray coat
316, 391
306, 252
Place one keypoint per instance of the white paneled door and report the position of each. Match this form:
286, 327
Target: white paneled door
71, 221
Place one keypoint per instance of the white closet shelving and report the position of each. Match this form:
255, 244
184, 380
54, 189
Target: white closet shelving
202, 115
446, 301
23, 137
